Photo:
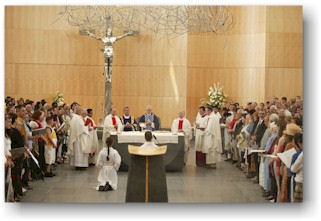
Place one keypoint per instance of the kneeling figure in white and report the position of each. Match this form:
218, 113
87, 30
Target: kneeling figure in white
108, 162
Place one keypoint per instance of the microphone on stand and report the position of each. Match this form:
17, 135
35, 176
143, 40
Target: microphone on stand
156, 138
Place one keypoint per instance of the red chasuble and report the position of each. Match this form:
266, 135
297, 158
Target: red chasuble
180, 124
114, 120
89, 122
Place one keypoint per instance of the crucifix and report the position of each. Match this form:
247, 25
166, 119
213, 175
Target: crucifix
108, 40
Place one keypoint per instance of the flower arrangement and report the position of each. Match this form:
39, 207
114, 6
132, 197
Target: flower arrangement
59, 99
216, 95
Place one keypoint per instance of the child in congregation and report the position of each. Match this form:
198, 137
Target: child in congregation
108, 163
50, 146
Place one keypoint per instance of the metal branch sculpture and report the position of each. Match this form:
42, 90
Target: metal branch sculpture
99, 22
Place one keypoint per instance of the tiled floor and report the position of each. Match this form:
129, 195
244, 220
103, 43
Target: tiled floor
226, 184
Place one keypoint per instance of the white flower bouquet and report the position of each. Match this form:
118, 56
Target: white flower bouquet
59, 99
216, 96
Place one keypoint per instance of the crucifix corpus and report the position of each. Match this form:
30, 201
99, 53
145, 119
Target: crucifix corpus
170, 21
108, 40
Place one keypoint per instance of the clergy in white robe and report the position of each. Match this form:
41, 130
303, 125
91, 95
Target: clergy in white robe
93, 138
108, 162
112, 123
78, 147
212, 139
227, 136
217, 135
200, 124
182, 125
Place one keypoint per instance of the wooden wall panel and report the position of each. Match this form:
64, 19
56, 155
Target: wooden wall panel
43, 56
241, 85
284, 51
262, 49
236, 59
284, 82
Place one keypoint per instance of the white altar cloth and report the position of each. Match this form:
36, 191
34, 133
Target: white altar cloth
163, 137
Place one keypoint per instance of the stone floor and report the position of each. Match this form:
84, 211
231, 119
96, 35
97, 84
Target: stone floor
226, 184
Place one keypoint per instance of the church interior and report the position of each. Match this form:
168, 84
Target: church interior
257, 61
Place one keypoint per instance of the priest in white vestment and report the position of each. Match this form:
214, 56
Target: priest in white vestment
217, 135
212, 139
200, 124
112, 123
78, 147
182, 125
93, 138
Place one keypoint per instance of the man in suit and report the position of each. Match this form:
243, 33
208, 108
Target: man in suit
257, 137
237, 129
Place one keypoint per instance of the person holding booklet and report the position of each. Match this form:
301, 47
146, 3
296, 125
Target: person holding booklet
50, 147
290, 131
37, 125
297, 168
17, 141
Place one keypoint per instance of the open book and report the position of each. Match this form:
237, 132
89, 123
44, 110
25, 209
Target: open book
38, 131
286, 157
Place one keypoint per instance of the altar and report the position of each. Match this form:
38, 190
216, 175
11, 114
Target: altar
173, 159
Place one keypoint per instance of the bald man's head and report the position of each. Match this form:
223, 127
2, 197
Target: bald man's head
113, 111
181, 114
149, 109
78, 110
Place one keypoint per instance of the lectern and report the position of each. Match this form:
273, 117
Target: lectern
146, 175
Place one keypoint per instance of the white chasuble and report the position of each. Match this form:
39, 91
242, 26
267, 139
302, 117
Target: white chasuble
109, 126
200, 123
78, 147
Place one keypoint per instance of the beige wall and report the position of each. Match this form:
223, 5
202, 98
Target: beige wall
42, 58
261, 56
284, 52
236, 59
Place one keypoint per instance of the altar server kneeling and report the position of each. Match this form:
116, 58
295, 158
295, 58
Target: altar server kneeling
108, 163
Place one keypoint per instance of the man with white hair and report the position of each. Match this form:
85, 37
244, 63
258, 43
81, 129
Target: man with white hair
273, 109
29, 110
149, 120
182, 125
112, 124
79, 148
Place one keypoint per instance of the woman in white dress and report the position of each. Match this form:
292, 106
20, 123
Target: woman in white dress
108, 162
